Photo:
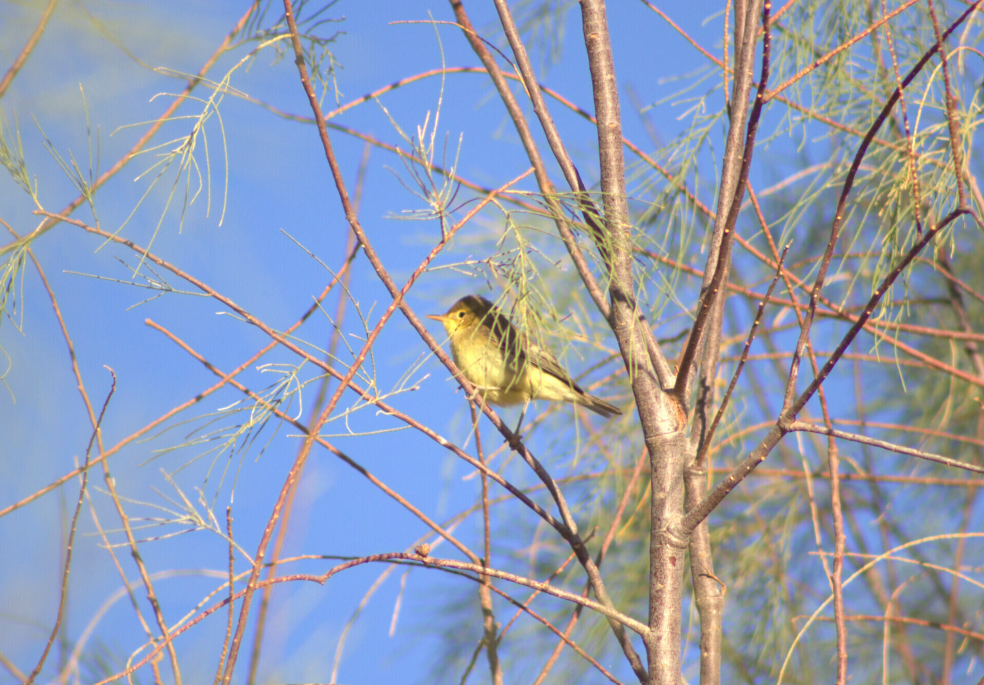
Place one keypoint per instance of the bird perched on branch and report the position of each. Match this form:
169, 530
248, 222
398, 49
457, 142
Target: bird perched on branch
505, 367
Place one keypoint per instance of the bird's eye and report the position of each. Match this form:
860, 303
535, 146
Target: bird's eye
461, 315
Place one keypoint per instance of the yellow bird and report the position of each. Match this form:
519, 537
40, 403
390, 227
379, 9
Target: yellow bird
506, 368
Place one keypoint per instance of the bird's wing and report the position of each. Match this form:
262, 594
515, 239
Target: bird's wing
549, 364
505, 336
529, 353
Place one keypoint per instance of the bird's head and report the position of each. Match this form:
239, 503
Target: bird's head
464, 315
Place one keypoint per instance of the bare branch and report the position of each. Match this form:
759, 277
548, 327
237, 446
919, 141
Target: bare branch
892, 447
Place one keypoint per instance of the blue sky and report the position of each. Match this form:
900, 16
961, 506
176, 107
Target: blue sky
279, 196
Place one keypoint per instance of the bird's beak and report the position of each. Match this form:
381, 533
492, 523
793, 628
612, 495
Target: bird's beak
436, 317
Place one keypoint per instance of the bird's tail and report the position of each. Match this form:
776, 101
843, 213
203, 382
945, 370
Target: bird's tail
599, 406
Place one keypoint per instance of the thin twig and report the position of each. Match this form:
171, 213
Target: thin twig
344, 275
590, 213
28, 47
892, 447
490, 639
568, 528
232, 592
609, 537
840, 213
69, 547
839, 49
52, 220
713, 289
781, 427
699, 462
392, 557
956, 147
181, 407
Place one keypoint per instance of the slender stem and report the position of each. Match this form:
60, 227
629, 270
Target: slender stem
52, 221
28, 47
490, 639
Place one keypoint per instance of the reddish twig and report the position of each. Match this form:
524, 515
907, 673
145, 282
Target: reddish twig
900, 449
392, 557
28, 47
568, 527
781, 427
344, 276
52, 219
839, 214
232, 592
609, 537
490, 639
700, 460
69, 547
713, 290
321, 441
839, 49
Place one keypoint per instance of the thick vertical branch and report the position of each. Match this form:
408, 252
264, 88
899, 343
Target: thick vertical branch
708, 591
706, 332
734, 170
659, 416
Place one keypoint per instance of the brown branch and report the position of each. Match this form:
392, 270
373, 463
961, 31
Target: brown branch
28, 47
900, 449
612, 529
914, 429
397, 301
12, 668
529, 145
344, 275
951, 108
69, 547
836, 573
95, 422
166, 633
568, 528
911, 621
839, 214
181, 407
661, 415
869, 309
835, 311
700, 460
840, 48
735, 169
321, 441
490, 639
391, 557
51, 221
910, 141
232, 592
565, 639
589, 210
865, 477
781, 427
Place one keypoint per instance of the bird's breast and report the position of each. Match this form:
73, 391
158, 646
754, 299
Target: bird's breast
485, 366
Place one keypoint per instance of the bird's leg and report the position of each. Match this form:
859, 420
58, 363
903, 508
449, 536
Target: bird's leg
522, 414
